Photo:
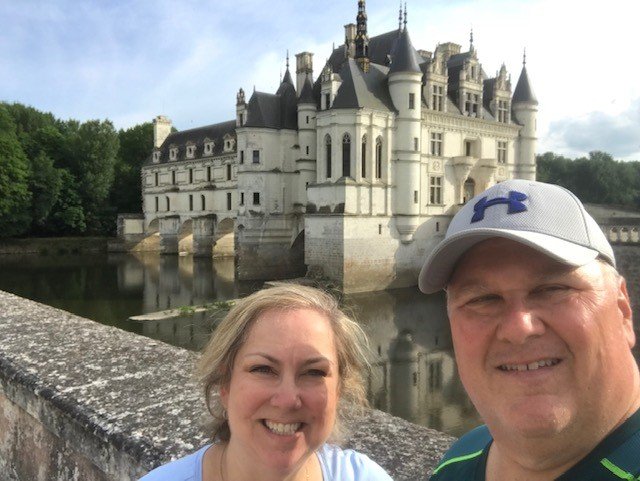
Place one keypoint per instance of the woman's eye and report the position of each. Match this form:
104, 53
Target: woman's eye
317, 372
262, 369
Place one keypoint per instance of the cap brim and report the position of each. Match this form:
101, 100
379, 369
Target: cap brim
438, 267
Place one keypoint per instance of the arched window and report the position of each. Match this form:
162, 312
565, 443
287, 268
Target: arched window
327, 148
364, 156
346, 155
203, 203
168, 204
379, 158
469, 189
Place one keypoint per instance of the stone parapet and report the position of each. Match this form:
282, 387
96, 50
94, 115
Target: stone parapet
79, 400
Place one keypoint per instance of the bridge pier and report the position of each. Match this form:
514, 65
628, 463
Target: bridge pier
203, 234
169, 227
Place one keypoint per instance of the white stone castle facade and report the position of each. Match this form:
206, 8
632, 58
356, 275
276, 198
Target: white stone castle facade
353, 175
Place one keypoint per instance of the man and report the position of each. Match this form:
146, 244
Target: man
542, 329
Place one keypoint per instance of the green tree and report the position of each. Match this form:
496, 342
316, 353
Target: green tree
67, 215
15, 198
45, 185
136, 145
92, 162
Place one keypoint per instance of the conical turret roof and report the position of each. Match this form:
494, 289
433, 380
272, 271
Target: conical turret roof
306, 94
523, 91
404, 57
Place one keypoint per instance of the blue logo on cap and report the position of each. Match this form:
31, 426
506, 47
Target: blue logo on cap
514, 201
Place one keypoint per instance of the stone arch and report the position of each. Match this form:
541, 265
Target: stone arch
635, 235
153, 227
624, 234
185, 236
224, 237
613, 234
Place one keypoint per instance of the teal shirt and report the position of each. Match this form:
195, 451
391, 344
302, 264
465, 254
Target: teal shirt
616, 458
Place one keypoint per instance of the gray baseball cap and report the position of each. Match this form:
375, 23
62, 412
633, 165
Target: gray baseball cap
545, 217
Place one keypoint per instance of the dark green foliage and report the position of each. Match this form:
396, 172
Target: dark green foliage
45, 185
67, 215
136, 145
597, 179
15, 197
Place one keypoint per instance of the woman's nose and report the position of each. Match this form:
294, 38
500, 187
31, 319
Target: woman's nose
286, 395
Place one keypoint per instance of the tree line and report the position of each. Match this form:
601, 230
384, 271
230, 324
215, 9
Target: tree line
67, 178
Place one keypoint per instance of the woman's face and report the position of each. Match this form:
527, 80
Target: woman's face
283, 393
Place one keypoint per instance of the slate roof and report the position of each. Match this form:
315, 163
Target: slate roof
380, 47
197, 136
360, 89
523, 91
274, 111
404, 57
306, 94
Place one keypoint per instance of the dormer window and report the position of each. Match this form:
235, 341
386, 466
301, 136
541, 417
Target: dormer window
191, 151
208, 147
229, 143
173, 153
156, 156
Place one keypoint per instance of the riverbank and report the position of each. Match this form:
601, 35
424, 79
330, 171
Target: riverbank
54, 245
79, 400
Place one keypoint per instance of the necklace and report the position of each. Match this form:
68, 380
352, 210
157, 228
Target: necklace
224, 453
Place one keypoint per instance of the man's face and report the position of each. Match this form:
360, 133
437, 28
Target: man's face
542, 348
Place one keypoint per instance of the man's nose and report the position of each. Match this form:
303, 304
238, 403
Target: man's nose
286, 394
519, 323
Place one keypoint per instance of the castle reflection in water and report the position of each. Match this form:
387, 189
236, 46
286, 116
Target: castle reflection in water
414, 373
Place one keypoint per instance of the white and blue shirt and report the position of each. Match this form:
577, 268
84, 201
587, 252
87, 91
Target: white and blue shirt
336, 464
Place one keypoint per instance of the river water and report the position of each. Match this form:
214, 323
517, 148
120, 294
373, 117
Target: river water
414, 372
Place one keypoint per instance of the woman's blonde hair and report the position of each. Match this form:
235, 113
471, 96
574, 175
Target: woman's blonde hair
216, 363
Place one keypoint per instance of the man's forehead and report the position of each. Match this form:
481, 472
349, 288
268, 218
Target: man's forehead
487, 257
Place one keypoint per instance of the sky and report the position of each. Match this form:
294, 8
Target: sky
129, 61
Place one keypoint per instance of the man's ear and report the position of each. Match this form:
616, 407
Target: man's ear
624, 306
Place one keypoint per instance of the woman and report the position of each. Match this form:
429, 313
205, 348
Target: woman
277, 373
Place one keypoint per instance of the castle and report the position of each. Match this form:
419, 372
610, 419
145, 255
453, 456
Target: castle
352, 176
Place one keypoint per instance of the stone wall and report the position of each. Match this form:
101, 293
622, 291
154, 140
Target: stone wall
79, 400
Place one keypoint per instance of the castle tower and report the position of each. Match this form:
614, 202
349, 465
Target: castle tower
362, 39
161, 130
405, 87
307, 140
525, 110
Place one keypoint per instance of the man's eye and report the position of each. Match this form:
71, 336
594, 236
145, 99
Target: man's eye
551, 289
483, 299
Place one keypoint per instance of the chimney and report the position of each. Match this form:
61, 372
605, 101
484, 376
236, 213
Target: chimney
161, 130
304, 69
350, 40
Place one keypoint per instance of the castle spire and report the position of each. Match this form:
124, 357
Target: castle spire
362, 40
400, 17
524, 57
287, 59
405, 15
471, 41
